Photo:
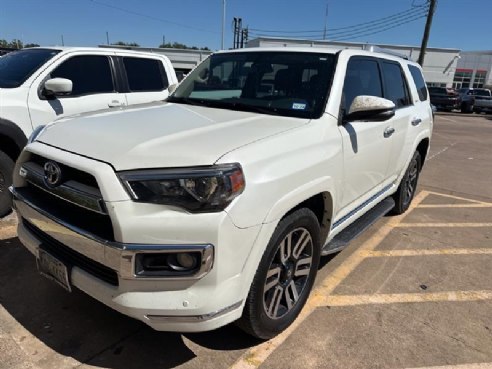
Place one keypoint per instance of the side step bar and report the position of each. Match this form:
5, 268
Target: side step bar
342, 239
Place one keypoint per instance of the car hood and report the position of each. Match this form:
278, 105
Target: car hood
162, 134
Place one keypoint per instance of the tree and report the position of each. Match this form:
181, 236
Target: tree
178, 45
31, 45
122, 43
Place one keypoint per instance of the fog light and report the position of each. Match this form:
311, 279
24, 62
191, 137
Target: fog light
183, 261
188, 261
167, 264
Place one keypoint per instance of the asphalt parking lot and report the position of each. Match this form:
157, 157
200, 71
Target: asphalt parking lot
413, 291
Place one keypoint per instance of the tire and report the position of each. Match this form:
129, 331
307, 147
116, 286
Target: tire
466, 108
271, 305
406, 191
6, 169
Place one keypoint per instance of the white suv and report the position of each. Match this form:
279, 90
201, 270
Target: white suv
39, 85
216, 205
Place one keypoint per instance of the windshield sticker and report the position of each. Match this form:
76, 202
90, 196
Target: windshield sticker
298, 106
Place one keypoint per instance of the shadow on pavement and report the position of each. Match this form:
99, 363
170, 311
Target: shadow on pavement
75, 325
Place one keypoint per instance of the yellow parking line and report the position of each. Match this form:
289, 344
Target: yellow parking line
460, 366
452, 296
455, 206
449, 225
401, 253
458, 197
255, 356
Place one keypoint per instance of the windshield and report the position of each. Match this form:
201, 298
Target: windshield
481, 92
17, 66
292, 84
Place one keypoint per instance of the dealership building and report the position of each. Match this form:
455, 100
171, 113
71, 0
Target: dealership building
474, 69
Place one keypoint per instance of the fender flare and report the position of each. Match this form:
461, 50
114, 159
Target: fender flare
12, 131
292, 199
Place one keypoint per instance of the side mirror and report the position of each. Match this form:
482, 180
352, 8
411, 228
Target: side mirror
370, 108
172, 88
58, 86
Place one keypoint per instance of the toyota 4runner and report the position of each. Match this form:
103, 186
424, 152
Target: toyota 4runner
216, 205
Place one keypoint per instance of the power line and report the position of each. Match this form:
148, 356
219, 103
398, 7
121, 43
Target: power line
410, 11
150, 16
341, 36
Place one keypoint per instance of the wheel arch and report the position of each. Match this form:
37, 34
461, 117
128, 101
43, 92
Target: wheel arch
423, 149
12, 139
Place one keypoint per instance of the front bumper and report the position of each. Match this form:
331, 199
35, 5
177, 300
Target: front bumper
173, 304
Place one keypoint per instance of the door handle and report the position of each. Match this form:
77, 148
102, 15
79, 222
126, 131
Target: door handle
115, 104
416, 121
388, 132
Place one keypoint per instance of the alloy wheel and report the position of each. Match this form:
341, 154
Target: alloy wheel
288, 273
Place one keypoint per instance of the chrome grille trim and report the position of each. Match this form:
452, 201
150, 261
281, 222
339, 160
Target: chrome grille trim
79, 194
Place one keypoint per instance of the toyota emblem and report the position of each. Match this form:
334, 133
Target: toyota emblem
52, 174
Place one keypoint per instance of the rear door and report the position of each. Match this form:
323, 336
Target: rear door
396, 89
94, 88
146, 79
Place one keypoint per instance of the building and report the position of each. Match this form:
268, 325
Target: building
183, 60
474, 69
439, 64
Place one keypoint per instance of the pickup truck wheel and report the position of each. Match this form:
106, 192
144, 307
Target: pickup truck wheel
6, 169
466, 108
284, 277
408, 186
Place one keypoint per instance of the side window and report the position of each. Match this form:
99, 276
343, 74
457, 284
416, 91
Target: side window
362, 78
145, 74
395, 85
90, 74
419, 82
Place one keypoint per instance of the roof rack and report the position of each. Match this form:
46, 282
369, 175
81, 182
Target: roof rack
378, 49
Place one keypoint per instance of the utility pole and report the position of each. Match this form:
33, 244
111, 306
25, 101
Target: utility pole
326, 21
428, 24
223, 22
63, 42
163, 40
107, 37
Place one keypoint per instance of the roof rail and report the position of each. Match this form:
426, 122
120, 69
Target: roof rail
378, 49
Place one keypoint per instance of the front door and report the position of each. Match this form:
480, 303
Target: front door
366, 145
93, 89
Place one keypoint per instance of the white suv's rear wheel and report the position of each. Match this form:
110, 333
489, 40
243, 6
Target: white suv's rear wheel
284, 277
6, 169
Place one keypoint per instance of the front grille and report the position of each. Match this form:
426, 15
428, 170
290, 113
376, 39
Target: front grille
69, 173
94, 223
76, 201
71, 257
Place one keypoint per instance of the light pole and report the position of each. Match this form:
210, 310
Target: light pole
223, 22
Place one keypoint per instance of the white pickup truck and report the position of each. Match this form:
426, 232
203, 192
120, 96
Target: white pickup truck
216, 205
39, 85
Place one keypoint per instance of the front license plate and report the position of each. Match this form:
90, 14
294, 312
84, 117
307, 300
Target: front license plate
54, 269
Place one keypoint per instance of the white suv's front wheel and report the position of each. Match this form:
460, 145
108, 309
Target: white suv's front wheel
284, 277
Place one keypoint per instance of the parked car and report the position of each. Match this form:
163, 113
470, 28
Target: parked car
469, 98
483, 101
443, 98
38, 85
216, 205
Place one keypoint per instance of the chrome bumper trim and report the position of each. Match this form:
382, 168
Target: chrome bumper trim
115, 255
192, 318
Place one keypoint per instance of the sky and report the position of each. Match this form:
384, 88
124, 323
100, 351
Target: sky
461, 24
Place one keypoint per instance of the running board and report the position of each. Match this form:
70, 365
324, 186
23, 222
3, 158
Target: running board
342, 239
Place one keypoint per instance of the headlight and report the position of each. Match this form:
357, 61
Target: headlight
200, 189
37, 131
